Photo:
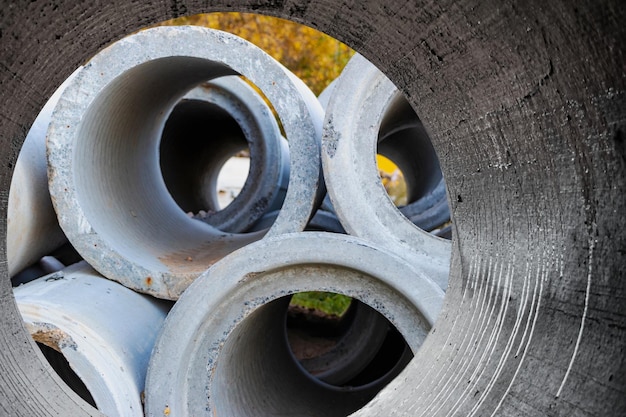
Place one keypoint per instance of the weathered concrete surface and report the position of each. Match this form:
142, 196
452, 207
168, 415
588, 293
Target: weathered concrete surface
104, 330
525, 104
401, 137
230, 325
104, 168
363, 105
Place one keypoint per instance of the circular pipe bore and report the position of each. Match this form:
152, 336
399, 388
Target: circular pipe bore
104, 331
360, 339
354, 185
233, 349
209, 125
403, 139
103, 155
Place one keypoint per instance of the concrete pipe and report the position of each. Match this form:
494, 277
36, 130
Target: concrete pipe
364, 333
32, 227
524, 102
431, 211
403, 139
103, 154
103, 330
358, 107
428, 213
45, 266
225, 338
205, 129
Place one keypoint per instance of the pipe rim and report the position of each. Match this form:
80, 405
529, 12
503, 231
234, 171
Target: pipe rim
265, 271
354, 187
132, 231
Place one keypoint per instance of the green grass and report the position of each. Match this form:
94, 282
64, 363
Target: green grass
327, 302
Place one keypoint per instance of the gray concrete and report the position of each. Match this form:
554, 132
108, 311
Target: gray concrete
103, 155
362, 101
207, 127
322, 221
229, 326
104, 330
32, 227
524, 104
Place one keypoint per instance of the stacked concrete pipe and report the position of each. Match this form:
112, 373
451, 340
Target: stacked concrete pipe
353, 183
104, 171
230, 326
322, 221
403, 139
104, 331
32, 227
208, 126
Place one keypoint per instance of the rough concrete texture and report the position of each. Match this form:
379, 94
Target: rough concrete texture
211, 124
401, 137
229, 326
357, 195
103, 329
524, 102
104, 171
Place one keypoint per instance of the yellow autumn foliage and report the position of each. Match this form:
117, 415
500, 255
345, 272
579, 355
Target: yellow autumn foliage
316, 58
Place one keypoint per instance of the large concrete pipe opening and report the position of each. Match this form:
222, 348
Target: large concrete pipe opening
104, 165
524, 102
257, 354
229, 330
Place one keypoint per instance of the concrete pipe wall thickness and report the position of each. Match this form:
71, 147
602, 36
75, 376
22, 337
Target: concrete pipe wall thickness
211, 124
225, 338
103, 159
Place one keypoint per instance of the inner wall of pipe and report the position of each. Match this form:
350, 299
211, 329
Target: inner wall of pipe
63, 369
404, 140
116, 167
272, 381
356, 349
198, 138
256, 358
